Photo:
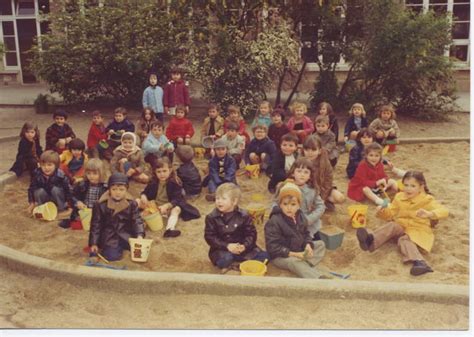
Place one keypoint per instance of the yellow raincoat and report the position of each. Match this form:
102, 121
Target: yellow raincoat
403, 211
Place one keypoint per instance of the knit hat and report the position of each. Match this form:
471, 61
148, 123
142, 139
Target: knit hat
220, 143
289, 189
118, 179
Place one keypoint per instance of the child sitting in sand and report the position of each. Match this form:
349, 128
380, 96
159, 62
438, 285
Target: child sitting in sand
370, 179
116, 129
96, 134
263, 115
115, 219
300, 124
412, 214
356, 154
213, 125
356, 121
327, 138
325, 109
235, 117
165, 190
229, 230
143, 124
261, 149
156, 144
73, 161
188, 173
49, 183
284, 159
29, 150
277, 129
180, 130
287, 238
235, 142
385, 127
128, 159
59, 134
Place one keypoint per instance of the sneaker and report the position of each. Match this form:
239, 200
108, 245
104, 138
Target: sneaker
365, 239
64, 214
419, 268
330, 207
210, 197
66, 223
171, 233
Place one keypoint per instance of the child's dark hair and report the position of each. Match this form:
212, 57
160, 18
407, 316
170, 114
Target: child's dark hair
155, 124
162, 162
185, 153
176, 70
182, 108
419, 177
364, 132
145, 109
233, 108
96, 113
60, 113
279, 111
312, 143
77, 144
30, 126
321, 119
214, 106
328, 106
232, 126
305, 163
289, 137
120, 110
373, 147
50, 156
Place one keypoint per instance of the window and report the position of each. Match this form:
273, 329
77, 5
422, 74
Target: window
25, 7
5, 7
8, 29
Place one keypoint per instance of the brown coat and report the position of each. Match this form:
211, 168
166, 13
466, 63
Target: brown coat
323, 174
218, 126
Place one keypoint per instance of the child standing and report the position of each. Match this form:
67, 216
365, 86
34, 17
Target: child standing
167, 193
263, 116
176, 93
87, 192
261, 149
116, 129
325, 109
323, 172
96, 134
73, 161
411, 214
277, 129
312, 205
327, 138
59, 134
235, 142
385, 127
287, 237
49, 183
370, 178
180, 129
115, 219
153, 97
229, 231
156, 145
222, 169
235, 117
29, 150
299, 124
143, 125
284, 159
188, 172
128, 159
213, 124
364, 138
356, 121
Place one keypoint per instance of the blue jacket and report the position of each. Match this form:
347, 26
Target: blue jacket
151, 144
229, 170
153, 98
351, 126
264, 145
262, 120
355, 157
58, 179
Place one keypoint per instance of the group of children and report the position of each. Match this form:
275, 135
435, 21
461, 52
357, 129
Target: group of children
298, 156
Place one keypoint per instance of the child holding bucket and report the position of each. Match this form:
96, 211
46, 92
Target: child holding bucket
323, 172
412, 214
115, 218
312, 206
128, 159
188, 172
229, 230
73, 161
165, 190
370, 179
87, 192
97, 136
287, 238
49, 183
284, 159
29, 150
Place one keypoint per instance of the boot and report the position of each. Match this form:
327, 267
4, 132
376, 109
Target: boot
419, 268
365, 239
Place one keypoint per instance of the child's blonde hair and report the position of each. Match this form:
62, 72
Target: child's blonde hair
387, 107
50, 156
266, 103
230, 189
357, 105
95, 165
298, 105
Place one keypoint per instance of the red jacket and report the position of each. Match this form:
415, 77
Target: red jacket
95, 135
179, 128
176, 93
366, 175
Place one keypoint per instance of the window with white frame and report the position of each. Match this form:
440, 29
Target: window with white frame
9, 41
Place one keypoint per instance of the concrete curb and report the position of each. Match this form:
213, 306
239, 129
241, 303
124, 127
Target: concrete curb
8, 138
7, 178
221, 285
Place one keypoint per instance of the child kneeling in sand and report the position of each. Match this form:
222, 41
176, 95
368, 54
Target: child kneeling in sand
287, 237
229, 230
411, 214
115, 218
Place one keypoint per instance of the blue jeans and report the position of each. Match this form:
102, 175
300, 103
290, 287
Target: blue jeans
57, 196
115, 253
228, 258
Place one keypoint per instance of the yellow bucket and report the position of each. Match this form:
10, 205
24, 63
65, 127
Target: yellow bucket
358, 214
199, 152
257, 213
253, 268
253, 171
400, 185
86, 216
139, 249
154, 221
47, 211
